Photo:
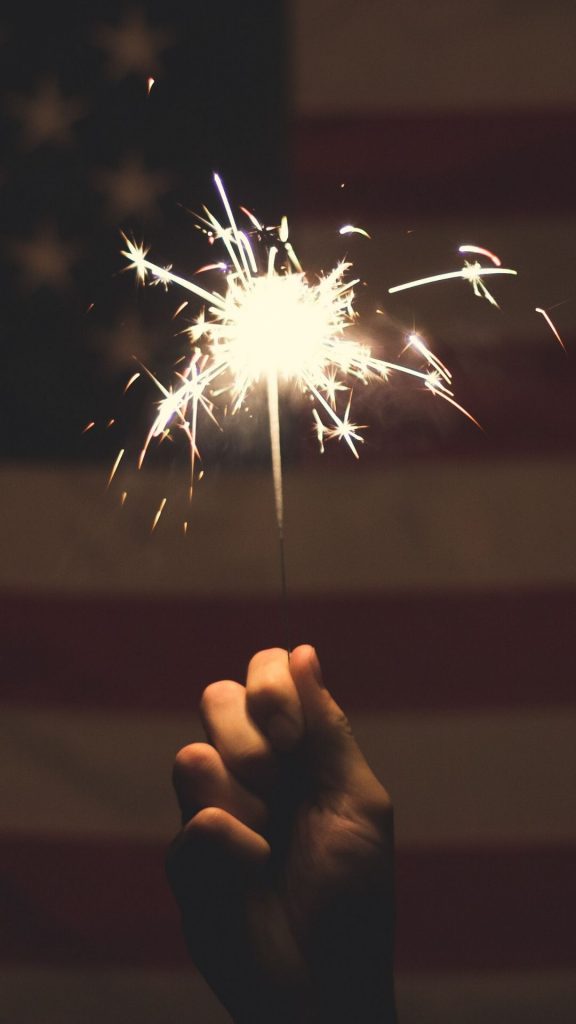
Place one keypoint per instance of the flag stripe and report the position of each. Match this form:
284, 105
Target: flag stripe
452, 527
68, 903
455, 778
481, 162
386, 652
68, 995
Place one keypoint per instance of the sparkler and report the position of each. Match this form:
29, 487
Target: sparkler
268, 325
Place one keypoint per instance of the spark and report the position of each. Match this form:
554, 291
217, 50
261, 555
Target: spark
132, 381
180, 309
472, 272
415, 341
150, 83
159, 512
110, 423
551, 325
117, 462
89, 426
349, 229
270, 325
478, 250
123, 497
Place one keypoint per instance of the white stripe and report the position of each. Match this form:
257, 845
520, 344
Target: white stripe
371, 56
56, 996
509, 997
412, 527
455, 778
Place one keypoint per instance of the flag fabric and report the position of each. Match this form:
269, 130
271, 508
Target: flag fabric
435, 575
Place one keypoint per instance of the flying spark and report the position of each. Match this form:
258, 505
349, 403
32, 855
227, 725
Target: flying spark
349, 229
472, 272
114, 469
551, 325
158, 514
270, 324
478, 250
132, 381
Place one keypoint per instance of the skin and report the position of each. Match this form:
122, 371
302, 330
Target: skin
283, 870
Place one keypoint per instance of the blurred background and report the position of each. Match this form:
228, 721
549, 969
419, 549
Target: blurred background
436, 575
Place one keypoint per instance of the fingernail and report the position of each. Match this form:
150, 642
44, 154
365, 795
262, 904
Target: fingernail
283, 732
316, 670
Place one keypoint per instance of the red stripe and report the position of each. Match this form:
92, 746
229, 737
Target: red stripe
380, 652
520, 391
402, 165
96, 904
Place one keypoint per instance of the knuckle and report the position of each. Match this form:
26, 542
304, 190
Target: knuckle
210, 820
265, 696
250, 758
269, 658
217, 694
341, 721
252, 763
195, 761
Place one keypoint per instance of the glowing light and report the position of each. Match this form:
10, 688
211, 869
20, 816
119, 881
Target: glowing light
349, 229
478, 250
159, 512
472, 272
180, 309
132, 381
114, 469
270, 325
551, 325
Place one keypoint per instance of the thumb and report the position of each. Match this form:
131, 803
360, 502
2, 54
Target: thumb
337, 762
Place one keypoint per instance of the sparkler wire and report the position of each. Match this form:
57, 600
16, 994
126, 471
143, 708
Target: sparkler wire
270, 323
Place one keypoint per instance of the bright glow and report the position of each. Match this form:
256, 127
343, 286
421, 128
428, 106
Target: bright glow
480, 251
349, 229
279, 324
270, 324
472, 272
551, 325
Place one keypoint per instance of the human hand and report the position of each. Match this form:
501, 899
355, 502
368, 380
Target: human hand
283, 870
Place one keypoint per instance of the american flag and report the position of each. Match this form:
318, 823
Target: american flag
436, 576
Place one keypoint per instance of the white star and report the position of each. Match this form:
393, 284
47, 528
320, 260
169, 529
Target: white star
131, 189
45, 259
133, 45
46, 115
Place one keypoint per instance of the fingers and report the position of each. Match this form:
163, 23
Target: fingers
211, 851
272, 699
244, 749
338, 763
202, 780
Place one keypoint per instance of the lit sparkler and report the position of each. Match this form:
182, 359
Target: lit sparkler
270, 324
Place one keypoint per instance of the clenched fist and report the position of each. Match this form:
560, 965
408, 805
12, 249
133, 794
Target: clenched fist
283, 868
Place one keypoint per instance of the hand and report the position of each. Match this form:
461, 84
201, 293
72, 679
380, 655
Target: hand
283, 868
